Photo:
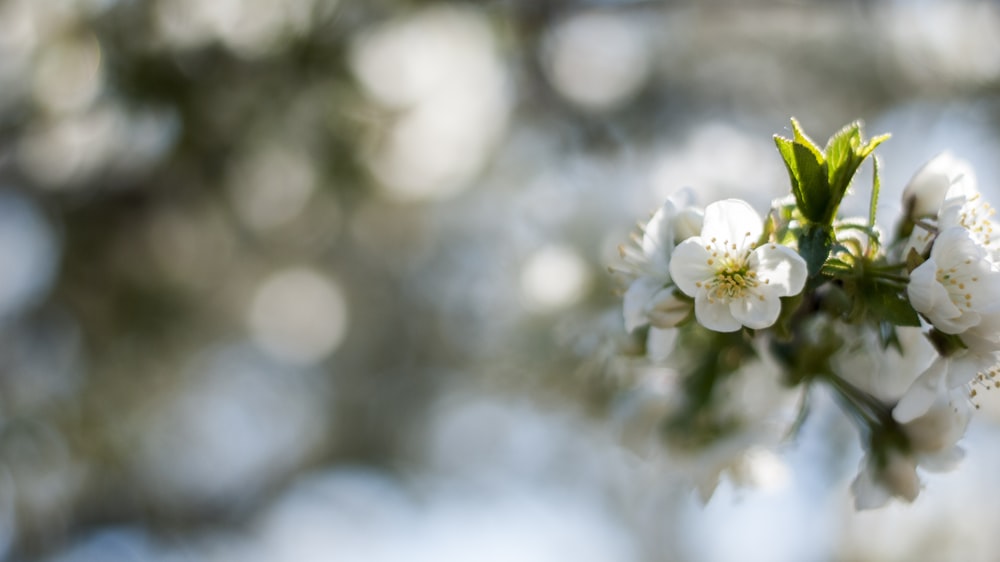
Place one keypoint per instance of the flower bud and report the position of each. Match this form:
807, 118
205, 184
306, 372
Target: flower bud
926, 190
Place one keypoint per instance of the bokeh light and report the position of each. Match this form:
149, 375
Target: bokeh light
554, 277
601, 74
299, 316
441, 71
237, 423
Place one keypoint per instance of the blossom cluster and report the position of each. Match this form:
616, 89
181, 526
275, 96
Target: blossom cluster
904, 330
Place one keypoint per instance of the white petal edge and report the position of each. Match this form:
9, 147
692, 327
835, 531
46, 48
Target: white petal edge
781, 266
714, 315
638, 294
922, 394
757, 311
731, 220
658, 237
923, 289
689, 265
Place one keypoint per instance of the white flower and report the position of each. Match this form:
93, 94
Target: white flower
939, 190
977, 361
933, 437
947, 191
929, 186
956, 284
931, 434
932, 445
650, 292
650, 297
965, 207
885, 374
733, 281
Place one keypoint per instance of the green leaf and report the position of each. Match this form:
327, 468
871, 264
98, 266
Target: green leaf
801, 138
813, 183
815, 242
876, 186
820, 178
786, 148
887, 304
867, 149
946, 344
840, 148
808, 178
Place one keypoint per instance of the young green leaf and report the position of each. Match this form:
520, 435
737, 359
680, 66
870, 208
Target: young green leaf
841, 146
867, 149
876, 186
814, 247
813, 183
801, 138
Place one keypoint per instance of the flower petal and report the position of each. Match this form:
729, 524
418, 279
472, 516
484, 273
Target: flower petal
868, 493
781, 266
658, 238
758, 310
963, 367
954, 245
689, 265
930, 298
666, 310
941, 427
660, 343
714, 315
733, 221
923, 393
636, 298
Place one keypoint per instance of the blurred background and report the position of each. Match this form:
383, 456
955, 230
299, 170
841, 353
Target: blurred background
311, 280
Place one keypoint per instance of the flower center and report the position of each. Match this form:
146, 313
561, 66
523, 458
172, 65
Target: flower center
733, 277
958, 284
986, 379
732, 280
976, 216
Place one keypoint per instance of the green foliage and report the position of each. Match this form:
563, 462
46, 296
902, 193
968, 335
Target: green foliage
886, 303
815, 242
873, 203
820, 178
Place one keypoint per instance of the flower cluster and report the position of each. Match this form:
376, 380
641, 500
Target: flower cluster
903, 332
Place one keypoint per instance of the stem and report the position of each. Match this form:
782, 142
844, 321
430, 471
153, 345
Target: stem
891, 277
864, 404
888, 267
